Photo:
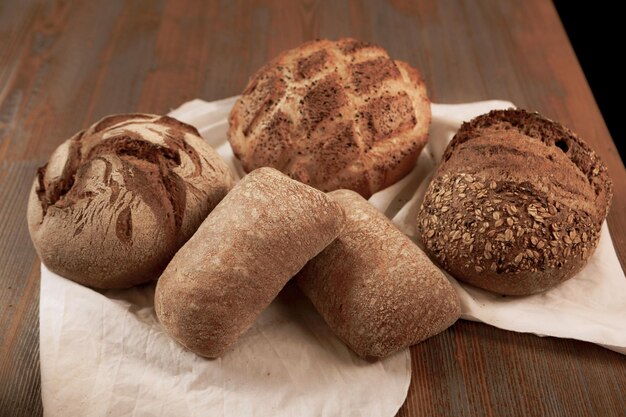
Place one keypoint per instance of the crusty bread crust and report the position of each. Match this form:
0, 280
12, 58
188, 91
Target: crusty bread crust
116, 201
374, 287
516, 205
333, 115
260, 235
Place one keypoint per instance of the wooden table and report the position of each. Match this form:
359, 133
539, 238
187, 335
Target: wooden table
63, 66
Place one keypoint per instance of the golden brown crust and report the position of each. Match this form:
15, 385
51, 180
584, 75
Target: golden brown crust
333, 115
374, 287
242, 255
116, 201
516, 205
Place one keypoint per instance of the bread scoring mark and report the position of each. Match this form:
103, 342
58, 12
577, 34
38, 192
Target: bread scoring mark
264, 93
385, 117
175, 140
132, 144
506, 156
323, 100
176, 194
177, 126
147, 180
116, 119
370, 74
50, 194
124, 226
275, 139
310, 65
79, 229
550, 133
338, 149
350, 46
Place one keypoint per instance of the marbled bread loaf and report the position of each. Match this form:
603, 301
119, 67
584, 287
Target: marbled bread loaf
333, 115
116, 201
516, 204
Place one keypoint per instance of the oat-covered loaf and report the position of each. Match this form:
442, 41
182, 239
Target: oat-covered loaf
333, 115
516, 205
256, 239
116, 201
374, 287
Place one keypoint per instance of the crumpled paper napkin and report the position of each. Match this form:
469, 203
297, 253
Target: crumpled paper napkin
104, 353
591, 306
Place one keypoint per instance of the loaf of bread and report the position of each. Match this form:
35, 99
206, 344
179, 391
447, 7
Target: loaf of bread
254, 241
374, 287
333, 115
116, 201
516, 204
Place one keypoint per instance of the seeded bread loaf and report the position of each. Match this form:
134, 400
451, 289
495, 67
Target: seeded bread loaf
116, 201
516, 204
374, 287
254, 241
333, 115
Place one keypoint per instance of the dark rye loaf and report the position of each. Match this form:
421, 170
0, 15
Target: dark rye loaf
333, 114
116, 201
516, 205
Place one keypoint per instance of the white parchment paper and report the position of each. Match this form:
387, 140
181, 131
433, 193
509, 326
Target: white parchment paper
103, 352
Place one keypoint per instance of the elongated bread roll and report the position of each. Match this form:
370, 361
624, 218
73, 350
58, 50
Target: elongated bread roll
374, 287
260, 235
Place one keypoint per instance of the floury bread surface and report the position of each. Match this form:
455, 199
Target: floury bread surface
116, 201
516, 205
254, 241
374, 287
333, 114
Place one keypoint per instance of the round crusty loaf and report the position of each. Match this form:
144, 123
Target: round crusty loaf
516, 205
260, 235
116, 201
333, 115
374, 287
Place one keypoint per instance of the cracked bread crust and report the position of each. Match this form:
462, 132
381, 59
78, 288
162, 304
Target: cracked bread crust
516, 205
116, 201
333, 115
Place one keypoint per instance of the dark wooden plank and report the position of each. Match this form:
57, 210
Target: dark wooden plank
63, 65
72, 71
476, 370
19, 296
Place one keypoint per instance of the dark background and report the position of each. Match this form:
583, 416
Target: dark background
594, 29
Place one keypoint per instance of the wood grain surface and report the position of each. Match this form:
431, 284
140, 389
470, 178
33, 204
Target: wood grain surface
65, 64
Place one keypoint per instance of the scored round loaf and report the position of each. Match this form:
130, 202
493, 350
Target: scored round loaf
516, 205
333, 115
374, 287
116, 201
259, 236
